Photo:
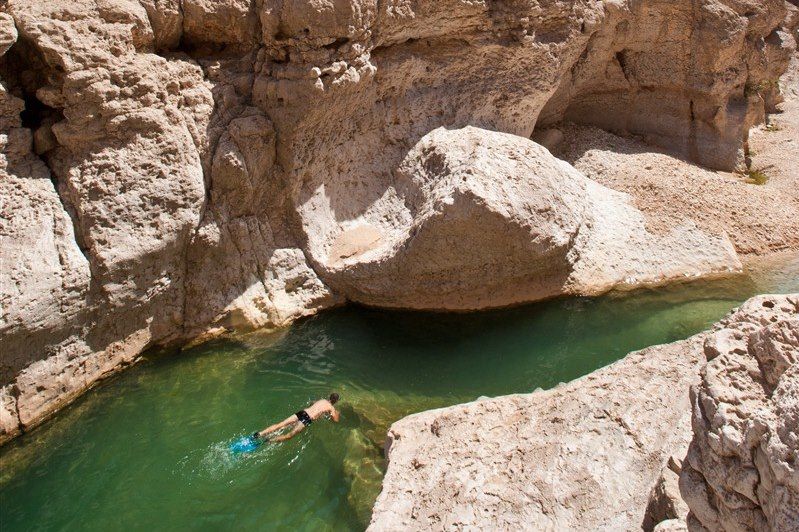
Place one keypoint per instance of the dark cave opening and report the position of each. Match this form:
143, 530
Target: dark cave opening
24, 72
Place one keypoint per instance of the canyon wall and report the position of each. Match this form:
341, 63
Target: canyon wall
604, 452
179, 168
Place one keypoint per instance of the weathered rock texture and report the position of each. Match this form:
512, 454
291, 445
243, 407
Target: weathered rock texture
173, 168
742, 468
603, 452
481, 219
582, 456
631, 87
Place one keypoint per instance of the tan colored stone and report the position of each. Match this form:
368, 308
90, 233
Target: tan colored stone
8, 32
478, 219
600, 453
582, 456
9, 416
671, 525
622, 84
741, 471
209, 153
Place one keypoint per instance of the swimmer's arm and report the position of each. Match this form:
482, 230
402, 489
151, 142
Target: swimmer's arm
334, 415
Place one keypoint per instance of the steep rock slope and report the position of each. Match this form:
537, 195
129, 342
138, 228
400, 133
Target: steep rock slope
597, 453
183, 167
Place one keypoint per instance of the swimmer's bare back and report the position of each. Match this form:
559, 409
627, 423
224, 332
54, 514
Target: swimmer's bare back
322, 407
302, 419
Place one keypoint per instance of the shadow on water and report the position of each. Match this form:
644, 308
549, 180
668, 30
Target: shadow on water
150, 448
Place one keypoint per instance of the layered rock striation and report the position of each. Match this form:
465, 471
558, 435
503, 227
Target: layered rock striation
181, 168
604, 452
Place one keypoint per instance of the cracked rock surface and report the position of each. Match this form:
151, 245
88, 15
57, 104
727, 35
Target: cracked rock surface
742, 469
582, 456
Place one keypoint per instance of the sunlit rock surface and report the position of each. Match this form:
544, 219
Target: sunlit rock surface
479, 219
742, 468
602, 452
192, 164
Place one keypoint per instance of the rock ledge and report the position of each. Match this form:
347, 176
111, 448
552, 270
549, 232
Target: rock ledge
603, 452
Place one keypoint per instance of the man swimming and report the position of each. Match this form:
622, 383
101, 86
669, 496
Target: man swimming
301, 419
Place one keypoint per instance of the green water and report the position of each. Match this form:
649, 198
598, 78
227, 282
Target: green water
148, 449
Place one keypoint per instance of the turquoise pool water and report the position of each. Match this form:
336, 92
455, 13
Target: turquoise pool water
148, 449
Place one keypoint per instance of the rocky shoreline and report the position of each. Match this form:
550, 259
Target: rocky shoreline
604, 452
175, 170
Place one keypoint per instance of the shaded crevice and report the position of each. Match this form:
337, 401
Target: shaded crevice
336, 44
693, 146
621, 58
25, 72
36, 114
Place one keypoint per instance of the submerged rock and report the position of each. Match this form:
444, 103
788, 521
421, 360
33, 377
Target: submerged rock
602, 452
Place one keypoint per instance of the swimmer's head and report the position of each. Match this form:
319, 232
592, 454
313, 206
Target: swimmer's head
333, 398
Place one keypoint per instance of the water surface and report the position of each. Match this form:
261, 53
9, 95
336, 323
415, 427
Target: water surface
149, 449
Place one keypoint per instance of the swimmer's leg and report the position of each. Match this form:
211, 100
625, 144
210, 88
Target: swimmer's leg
299, 427
277, 426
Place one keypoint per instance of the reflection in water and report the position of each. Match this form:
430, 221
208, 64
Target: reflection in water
151, 447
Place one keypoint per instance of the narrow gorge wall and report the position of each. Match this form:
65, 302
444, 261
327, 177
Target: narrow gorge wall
175, 168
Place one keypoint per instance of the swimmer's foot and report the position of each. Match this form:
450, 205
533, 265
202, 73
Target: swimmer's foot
257, 437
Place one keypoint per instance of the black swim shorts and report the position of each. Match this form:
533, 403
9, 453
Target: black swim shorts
303, 416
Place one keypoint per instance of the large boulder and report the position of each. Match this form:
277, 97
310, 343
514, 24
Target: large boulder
478, 219
742, 469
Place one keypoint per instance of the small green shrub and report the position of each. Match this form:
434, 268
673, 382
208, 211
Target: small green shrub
757, 176
771, 128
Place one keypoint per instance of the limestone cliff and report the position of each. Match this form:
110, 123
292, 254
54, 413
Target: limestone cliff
172, 168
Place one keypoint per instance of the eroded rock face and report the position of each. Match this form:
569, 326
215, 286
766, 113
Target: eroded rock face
603, 452
625, 83
105, 234
179, 168
742, 470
